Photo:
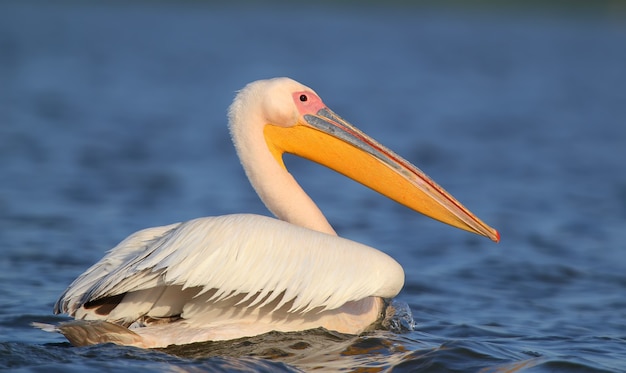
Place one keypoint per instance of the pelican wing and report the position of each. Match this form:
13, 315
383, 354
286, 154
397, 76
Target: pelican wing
121, 254
258, 259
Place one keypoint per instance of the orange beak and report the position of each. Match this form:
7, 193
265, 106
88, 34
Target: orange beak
327, 139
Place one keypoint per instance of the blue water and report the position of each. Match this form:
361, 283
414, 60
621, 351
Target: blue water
113, 119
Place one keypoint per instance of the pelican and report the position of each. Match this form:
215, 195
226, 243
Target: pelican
226, 277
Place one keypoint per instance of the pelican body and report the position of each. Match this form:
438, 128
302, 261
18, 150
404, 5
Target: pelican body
226, 277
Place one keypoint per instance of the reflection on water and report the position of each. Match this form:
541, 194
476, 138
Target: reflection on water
324, 351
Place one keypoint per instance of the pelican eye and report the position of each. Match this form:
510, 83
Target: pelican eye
303, 98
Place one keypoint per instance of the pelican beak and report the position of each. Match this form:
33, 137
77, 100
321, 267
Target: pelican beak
324, 137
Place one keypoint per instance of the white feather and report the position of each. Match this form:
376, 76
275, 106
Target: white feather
124, 251
239, 254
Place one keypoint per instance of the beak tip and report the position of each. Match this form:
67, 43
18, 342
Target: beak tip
496, 237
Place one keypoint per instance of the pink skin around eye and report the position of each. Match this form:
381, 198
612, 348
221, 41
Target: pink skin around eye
312, 104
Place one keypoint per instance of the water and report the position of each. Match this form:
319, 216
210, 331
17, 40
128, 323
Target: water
112, 119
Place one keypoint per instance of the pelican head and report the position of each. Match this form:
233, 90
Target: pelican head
271, 117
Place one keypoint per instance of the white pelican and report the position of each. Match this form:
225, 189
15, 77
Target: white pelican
225, 277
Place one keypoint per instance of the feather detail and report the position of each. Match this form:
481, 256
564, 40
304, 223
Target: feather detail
223, 258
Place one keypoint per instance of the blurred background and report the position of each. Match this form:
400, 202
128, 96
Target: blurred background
113, 119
